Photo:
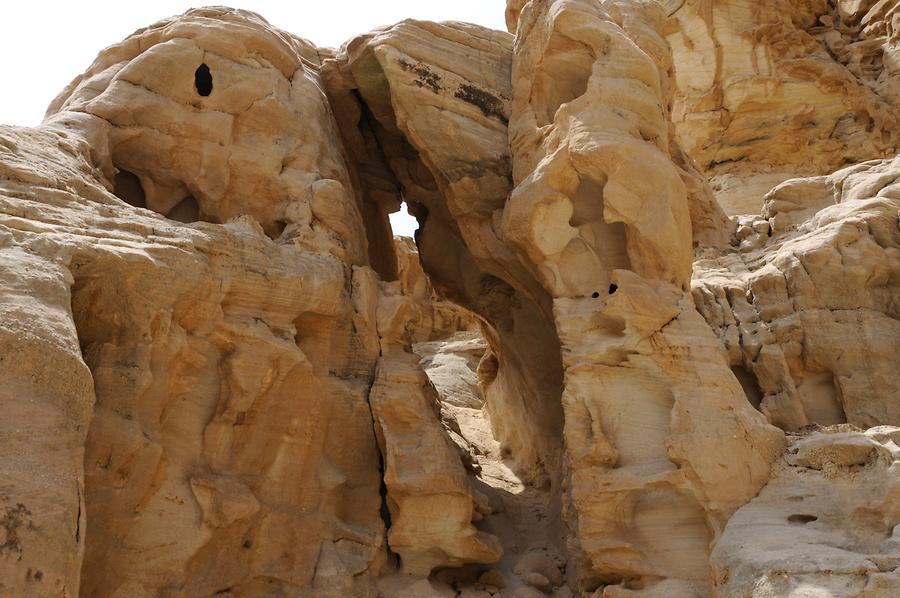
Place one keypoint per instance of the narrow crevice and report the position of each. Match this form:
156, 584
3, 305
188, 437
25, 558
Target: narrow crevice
384, 510
801, 519
78, 515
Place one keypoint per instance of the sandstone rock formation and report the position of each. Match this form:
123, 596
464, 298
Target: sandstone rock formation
824, 525
807, 307
776, 89
222, 374
201, 460
431, 500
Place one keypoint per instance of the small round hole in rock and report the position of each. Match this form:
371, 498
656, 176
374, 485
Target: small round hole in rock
801, 519
203, 80
595, 295
613, 288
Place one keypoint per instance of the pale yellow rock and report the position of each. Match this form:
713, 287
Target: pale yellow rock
825, 525
221, 374
431, 500
46, 396
225, 414
774, 89
807, 308
601, 211
452, 366
213, 157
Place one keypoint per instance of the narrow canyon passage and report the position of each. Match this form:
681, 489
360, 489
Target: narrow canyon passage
525, 518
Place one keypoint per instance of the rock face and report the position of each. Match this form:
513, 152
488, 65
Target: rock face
646, 496
222, 375
807, 307
431, 500
202, 462
775, 89
825, 524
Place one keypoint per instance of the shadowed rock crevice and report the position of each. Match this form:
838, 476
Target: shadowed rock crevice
128, 188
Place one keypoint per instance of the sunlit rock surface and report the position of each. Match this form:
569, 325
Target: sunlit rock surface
222, 375
774, 89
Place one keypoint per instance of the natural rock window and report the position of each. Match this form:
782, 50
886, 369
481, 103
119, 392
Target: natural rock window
203, 80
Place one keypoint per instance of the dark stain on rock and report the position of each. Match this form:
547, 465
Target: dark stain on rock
488, 103
426, 78
12, 520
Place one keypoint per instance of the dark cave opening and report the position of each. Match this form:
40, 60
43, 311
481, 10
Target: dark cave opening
128, 188
749, 384
203, 80
187, 211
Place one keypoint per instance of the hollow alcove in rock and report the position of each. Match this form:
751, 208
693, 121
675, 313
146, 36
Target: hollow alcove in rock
801, 519
186, 211
820, 395
128, 188
203, 81
749, 384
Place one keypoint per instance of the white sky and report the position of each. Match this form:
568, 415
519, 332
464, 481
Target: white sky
44, 45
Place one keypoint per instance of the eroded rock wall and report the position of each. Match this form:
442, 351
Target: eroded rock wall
806, 308
226, 417
214, 361
645, 498
772, 90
